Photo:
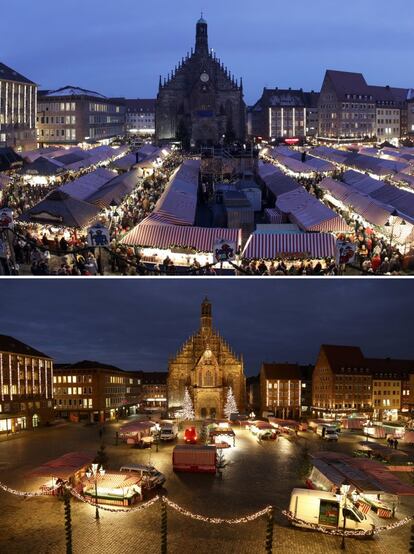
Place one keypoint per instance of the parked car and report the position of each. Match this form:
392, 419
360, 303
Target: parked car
168, 432
190, 435
151, 477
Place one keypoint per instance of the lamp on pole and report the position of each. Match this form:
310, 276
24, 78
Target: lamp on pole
95, 471
392, 220
157, 435
342, 496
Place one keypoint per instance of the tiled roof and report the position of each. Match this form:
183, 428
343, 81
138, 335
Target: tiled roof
140, 105
154, 378
86, 364
390, 366
10, 344
348, 357
346, 82
9, 74
281, 371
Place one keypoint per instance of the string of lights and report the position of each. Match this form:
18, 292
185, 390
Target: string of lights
92, 502
347, 533
216, 520
21, 493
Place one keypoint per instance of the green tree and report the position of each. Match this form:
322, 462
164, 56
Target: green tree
101, 457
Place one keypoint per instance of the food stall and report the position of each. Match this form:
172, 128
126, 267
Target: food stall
114, 488
221, 435
70, 467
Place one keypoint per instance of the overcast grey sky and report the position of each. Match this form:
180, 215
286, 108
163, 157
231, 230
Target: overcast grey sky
120, 48
137, 323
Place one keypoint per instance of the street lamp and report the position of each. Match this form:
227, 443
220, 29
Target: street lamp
392, 220
95, 471
157, 435
343, 495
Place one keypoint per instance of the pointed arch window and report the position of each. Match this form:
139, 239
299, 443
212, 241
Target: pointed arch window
208, 379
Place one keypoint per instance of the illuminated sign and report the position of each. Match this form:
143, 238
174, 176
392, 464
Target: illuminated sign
291, 140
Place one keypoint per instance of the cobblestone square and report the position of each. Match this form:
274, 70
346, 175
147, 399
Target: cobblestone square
257, 474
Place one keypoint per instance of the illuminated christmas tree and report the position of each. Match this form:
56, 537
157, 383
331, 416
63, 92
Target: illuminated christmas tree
188, 410
231, 405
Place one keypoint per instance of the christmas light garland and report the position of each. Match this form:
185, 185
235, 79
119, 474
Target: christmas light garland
91, 502
21, 493
347, 533
216, 520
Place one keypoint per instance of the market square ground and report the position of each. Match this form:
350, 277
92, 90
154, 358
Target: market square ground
257, 474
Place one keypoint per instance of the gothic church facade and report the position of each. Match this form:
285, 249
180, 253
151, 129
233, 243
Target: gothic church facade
207, 366
200, 103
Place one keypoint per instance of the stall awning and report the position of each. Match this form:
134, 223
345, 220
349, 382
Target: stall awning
115, 189
179, 200
64, 466
309, 213
164, 237
86, 185
60, 209
271, 246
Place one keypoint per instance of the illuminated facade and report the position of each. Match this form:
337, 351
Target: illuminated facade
18, 104
26, 389
154, 390
281, 389
341, 380
206, 366
72, 115
284, 113
93, 391
140, 116
200, 103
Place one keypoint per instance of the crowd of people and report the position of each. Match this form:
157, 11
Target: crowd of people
48, 250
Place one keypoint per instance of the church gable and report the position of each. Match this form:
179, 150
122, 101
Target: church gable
200, 100
206, 366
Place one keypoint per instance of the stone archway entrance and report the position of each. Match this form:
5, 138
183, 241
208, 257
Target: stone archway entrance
208, 402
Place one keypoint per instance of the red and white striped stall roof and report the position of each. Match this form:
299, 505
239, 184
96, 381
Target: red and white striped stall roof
271, 246
163, 236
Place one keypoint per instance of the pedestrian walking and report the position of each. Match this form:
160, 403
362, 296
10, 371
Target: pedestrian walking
100, 432
395, 444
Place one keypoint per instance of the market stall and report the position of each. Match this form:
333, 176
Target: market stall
61, 210
309, 213
158, 239
292, 245
69, 467
114, 488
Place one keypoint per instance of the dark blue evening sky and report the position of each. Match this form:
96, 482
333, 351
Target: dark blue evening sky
120, 48
139, 323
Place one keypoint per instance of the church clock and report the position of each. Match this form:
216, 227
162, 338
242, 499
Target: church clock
204, 77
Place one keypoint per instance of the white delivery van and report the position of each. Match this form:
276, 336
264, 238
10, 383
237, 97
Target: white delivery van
327, 432
151, 477
168, 431
322, 508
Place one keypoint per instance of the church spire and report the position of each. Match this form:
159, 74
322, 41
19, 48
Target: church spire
201, 47
206, 317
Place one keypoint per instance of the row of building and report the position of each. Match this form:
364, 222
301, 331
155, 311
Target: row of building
70, 115
34, 391
201, 103
342, 381
346, 109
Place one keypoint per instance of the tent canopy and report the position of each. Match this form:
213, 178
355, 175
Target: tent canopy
58, 208
86, 185
271, 246
164, 236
